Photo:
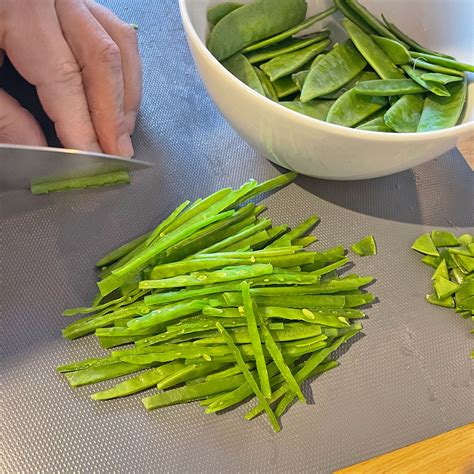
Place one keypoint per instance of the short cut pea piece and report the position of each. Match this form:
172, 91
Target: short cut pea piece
424, 244
365, 247
443, 238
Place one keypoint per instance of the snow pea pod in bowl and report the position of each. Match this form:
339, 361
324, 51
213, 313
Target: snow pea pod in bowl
271, 51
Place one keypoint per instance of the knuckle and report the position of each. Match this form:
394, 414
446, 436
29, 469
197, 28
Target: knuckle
68, 72
109, 53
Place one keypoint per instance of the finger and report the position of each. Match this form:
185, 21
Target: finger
100, 61
126, 39
44, 59
17, 125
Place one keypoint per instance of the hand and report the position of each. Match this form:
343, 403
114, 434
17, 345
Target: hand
85, 65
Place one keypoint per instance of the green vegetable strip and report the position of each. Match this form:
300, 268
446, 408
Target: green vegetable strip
243, 234
226, 400
102, 373
311, 364
277, 357
159, 231
188, 372
166, 313
249, 242
48, 185
120, 252
200, 220
115, 280
192, 392
325, 317
249, 377
220, 276
140, 382
255, 341
295, 233
235, 370
290, 32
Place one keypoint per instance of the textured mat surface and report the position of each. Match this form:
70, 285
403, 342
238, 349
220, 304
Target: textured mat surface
407, 379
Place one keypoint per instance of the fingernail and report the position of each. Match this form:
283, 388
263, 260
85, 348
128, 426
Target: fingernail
124, 146
130, 119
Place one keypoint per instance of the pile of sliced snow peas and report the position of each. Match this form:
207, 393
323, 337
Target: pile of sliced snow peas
378, 80
220, 307
453, 280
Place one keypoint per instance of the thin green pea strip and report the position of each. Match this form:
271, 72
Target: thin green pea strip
121, 251
389, 87
373, 54
277, 357
335, 70
288, 46
445, 62
255, 341
404, 116
140, 382
434, 87
443, 112
420, 63
49, 185
290, 32
249, 377
286, 64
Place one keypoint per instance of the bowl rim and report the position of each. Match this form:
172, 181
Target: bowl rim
313, 122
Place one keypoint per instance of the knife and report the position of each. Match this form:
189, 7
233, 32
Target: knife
20, 164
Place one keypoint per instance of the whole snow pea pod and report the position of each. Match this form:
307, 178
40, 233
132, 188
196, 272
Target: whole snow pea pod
291, 31
288, 46
253, 22
317, 109
216, 13
443, 112
349, 13
375, 125
396, 51
389, 87
445, 62
373, 54
240, 67
409, 41
434, 87
351, 108
288, 63
420, 63
404, 116
441, 78
370, 19
332, 72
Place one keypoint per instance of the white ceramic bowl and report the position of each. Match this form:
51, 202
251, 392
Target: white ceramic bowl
324, 150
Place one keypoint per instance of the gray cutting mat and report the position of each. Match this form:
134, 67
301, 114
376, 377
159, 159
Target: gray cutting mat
407, 379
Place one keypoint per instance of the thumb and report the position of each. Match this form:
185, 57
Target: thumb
17, 125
